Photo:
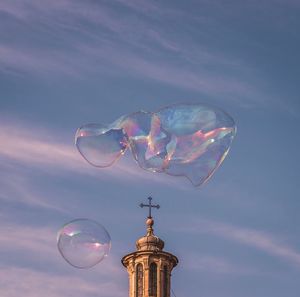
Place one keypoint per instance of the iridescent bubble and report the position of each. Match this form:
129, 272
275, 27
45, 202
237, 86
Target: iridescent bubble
201, 138
83, 243
148, 141
188, 140
100, 146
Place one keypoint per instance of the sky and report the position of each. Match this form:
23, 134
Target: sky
67, 63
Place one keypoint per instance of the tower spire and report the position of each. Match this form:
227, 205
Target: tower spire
150, 221
149, 267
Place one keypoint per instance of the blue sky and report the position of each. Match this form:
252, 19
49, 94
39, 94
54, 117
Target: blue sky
66, 63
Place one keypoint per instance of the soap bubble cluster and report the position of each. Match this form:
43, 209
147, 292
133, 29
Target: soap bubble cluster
188, 140
83, 243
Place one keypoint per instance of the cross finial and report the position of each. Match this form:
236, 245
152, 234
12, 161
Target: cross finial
150, 205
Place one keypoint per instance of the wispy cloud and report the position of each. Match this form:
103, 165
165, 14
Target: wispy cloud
32, 147
38, 240
214, 265
35, 245
141, 6
33, 283
22, 61
173, 74
16, 187
257, 239
108, 39
28, 145
29, 240
43, 152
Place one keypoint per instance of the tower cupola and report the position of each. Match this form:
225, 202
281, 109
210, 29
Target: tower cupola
150, 242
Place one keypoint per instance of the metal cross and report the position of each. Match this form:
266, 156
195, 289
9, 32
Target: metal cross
150, 206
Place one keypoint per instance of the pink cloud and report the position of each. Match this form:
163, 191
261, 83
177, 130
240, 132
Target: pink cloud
44, 150
139, 54
250, 237
215, 265
32, 283
39, 243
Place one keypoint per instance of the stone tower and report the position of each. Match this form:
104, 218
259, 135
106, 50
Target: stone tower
149, 267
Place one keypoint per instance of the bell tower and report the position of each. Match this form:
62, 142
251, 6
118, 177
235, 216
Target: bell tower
149, 267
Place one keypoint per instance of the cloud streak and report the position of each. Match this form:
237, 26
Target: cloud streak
36, 245
29, 240
43, 152
26, 145
33, 283
214, 265
31, 147
262, 241
108, 39
16, 187
41, 241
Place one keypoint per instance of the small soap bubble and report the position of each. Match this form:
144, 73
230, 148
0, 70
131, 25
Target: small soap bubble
83, 243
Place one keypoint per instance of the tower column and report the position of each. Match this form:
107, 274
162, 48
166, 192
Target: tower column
159, 280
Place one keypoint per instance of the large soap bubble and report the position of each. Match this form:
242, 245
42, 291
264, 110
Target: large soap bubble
188, 140
83, 243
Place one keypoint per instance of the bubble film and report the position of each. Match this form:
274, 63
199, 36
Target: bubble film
201, 138
188, 140
100, 146
83, 243
147, 139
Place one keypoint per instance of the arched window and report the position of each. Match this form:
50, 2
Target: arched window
153, 280
166, 281
139, 281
